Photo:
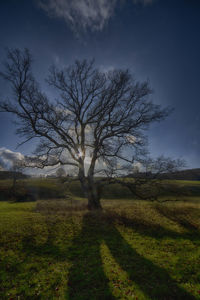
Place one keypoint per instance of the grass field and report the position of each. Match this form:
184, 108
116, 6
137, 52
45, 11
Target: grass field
56, 249
42, 188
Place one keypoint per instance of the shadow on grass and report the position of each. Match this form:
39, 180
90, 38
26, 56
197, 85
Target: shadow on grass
157, 231
87, 279
181, 217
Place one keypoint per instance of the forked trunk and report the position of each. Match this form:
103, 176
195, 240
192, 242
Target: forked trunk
92, 193
90, 190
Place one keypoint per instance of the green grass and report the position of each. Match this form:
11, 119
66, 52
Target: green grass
42, 188
56, 249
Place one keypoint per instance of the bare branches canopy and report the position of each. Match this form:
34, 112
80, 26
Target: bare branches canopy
97, 123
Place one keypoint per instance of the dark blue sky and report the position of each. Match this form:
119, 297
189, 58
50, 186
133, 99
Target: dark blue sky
158, 40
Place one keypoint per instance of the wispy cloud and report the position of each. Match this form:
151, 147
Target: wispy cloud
83, 15
106, 68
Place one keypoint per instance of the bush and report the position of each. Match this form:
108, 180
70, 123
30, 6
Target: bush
21, 194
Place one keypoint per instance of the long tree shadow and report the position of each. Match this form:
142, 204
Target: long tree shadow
87, 279
181, 217
86, 276
159, 232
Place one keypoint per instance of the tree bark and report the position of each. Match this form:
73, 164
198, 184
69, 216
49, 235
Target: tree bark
94, 197
90, 190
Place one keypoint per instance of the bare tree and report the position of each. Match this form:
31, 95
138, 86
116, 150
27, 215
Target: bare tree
96, 126
16, 168
17, 191
147, 178
60, 173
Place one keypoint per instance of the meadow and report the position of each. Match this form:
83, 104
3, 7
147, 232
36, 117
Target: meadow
54, 248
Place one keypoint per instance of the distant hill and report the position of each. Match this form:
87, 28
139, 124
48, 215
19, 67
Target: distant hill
190, 174
10, 175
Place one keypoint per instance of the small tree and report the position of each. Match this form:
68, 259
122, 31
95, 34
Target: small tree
16, 168
60, 173
97, 125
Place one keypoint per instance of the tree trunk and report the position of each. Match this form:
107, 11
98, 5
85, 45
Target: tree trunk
93, 198
90, 189
92, 193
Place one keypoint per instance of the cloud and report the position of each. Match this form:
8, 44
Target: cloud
106, 69
81, 14
8, 158
131, 139
137, 167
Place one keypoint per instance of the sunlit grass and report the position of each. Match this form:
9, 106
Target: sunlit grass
132, 250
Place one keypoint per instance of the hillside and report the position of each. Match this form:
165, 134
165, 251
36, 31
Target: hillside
189, 174
10, 175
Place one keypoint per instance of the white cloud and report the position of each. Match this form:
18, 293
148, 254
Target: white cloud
8, 158
137, 167
81, 14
